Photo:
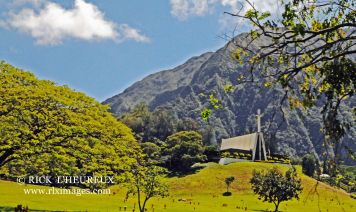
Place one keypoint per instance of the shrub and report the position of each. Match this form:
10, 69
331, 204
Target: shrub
309, 164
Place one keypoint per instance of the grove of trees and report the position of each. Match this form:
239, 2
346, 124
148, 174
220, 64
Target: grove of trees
166, 140
155, 126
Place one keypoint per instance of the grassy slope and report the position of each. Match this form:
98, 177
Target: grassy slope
202, 190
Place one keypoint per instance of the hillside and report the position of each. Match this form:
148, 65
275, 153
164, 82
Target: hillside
202, 191
184, 91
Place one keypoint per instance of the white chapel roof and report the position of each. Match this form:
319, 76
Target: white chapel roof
244, 142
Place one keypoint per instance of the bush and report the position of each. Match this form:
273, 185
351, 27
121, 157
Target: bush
225, 155
353, 195
212, 153
309, 164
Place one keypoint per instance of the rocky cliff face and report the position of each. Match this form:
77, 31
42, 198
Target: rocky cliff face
185, 89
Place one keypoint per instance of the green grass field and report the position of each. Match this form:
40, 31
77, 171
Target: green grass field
202, 192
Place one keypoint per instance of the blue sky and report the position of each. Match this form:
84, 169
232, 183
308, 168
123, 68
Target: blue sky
101, 47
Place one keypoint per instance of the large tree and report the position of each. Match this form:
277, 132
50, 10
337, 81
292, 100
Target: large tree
309, 50
184, 149
146, 182
272, 186
47, 129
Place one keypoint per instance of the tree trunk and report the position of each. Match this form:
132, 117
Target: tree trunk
144, 205
5, 156
276, 206
139, 201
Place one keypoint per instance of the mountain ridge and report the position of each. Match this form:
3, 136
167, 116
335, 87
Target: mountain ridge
154, 76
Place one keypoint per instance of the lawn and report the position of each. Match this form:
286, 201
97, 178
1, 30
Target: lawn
200, 192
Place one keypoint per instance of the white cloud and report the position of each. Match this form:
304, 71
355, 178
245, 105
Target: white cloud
233, 4
51, 24
128, 33
183, 9
37, 3
180, 9
265, 5
201, 7
226, 21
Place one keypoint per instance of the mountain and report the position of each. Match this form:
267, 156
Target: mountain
185, 91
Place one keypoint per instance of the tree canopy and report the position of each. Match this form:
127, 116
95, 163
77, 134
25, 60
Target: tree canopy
46, 129
147, 182
152, 152
184, 149
155, 126
272, 186
309, 164
228, 182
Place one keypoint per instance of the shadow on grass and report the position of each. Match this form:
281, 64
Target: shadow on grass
180, 174
264, 210
7, 208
